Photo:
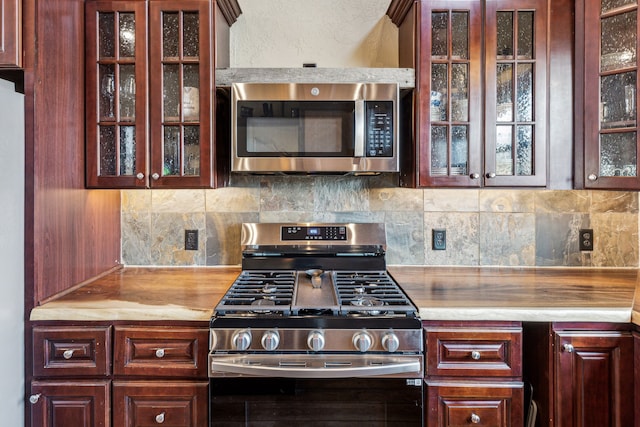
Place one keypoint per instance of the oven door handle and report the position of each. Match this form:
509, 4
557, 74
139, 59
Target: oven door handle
252, 365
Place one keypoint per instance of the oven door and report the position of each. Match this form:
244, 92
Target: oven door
253, 401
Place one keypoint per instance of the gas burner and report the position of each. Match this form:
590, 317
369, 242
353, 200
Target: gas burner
369, 303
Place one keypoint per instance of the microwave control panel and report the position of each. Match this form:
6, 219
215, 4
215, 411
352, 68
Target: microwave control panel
379, 134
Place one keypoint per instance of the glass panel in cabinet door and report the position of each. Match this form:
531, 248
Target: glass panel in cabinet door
525, 35
459, 150
171, 151
618, 41
618, 154
618, 100
127, 35
191, 35
107, 155
439, 84
191, 151
440, 35
439, 151
106, 35
524, 150
609, 5
191, 93
127, 150
524, 93
504, 92
106, 77
504, 39
460, 35
460, 92
504, 150
170, 35
171, 92
127, 92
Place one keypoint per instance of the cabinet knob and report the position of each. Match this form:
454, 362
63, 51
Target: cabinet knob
160, 418
592, 177
140, 176
68, 354
155, 176
491, 175
33, 399
160, 353
475, 355
567, 348
475, 175
475, 418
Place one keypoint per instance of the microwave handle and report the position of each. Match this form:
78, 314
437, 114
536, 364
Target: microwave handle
358, 149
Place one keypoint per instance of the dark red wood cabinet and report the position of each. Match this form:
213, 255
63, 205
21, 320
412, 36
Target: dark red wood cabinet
10, 34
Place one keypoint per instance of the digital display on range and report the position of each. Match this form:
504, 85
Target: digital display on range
325, 232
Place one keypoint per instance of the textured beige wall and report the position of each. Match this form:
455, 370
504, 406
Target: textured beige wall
330, 33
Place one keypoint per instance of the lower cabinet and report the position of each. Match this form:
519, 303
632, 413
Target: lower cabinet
582, 374
474, 374
119, 375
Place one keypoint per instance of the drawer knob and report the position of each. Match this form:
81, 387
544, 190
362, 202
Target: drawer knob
567, 348
33, 399
68, 354
475, 355
155, 176
475, 418
140, 176
160, 418
160, 353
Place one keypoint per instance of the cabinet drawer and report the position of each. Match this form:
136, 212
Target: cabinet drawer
169, 403
71, 351
484, 404
161, 352
474, 351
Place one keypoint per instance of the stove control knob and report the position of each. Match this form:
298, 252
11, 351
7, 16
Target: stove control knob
270, 340
390, 342
315, 340
241, 339
362, 341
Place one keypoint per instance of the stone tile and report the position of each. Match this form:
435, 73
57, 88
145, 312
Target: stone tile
405, 238
562, 201
451, 200
462, 238
177, 201
284, 194
615, 239
499, 200
347, 217
614, 201
167, 238
136, 238
557, 239
341, 194
135, 200
396, 199
276, 216
233, 199
223, 236
507, 239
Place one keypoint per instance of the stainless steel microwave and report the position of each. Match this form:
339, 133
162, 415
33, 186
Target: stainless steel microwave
314, 128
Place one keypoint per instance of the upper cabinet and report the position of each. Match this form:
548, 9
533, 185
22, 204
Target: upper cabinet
10, 33
606, 112
482, 93
149, 75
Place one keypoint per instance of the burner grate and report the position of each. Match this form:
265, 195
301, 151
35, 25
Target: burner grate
370, 292
262, 292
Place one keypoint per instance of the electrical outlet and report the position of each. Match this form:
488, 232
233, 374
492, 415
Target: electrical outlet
586, 239
191, 240
439, 239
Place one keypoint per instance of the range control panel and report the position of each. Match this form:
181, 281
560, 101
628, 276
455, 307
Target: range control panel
322, 232
379, 132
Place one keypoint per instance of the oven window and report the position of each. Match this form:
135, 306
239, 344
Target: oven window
295, 128
315, 402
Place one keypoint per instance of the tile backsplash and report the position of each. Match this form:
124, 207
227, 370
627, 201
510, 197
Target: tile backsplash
486, 227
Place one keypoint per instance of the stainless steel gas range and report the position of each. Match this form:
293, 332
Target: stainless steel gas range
314, 330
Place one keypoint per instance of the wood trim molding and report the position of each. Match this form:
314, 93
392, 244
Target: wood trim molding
230, 10
398, 10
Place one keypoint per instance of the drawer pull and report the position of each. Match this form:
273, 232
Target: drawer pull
475, 418
33, 399
160, 353
68, 354
160, 418
567, 348
475, 355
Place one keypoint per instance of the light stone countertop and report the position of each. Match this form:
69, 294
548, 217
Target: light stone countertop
441, 293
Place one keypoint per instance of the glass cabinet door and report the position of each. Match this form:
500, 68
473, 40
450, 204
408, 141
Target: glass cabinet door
515, 93
611, 68
116, 94
450, 113
180, 93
